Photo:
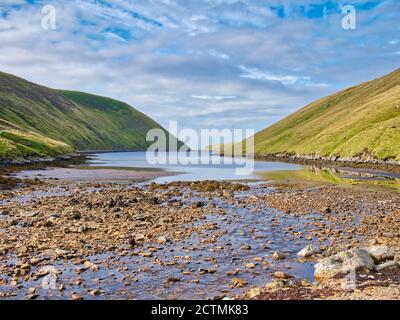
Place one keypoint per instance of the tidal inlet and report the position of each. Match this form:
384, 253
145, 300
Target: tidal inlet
224, 152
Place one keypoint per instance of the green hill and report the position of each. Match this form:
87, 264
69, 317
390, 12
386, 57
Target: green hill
39, 121
362, 121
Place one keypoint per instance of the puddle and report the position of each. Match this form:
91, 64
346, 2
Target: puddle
338, 175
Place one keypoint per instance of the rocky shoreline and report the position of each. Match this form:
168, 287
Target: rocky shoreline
205, 240
362, 265
357, 162
357, 274
31, 162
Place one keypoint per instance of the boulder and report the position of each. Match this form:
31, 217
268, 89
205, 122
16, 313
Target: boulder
328, 268
381, 253
357, 260
343, 263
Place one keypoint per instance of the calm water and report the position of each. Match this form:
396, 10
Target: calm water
215, 169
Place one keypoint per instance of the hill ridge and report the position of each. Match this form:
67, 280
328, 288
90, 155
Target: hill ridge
75, 120
362, 121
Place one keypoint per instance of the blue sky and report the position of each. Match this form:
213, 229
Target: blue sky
206, 64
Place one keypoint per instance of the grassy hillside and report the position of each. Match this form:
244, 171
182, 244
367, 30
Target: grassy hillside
19, 143
65, 120
361, 121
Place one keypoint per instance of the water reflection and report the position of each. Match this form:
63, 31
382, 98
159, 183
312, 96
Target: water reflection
336, 175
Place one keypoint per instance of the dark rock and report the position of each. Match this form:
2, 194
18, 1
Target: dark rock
76, 215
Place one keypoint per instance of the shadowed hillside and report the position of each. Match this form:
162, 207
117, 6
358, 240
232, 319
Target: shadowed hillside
35, 120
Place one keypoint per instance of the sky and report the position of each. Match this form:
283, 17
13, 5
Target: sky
236, 64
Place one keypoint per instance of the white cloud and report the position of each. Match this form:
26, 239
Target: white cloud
256, 74
218, 98
218, 54
187, 70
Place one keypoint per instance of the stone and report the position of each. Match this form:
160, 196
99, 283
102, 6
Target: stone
209, 271
31, 291
173, 279
140, 218
327, 268
227, 193
239, 283
95, 292
25, 266
245, 247
326, 210
387, 265
282, 275
82, 228
35, 260
250, 265
13, 223
61, 252
358, 259
76, 215
49, 253
308, 251
278, 256
381, 253
131, 241
275, 285
76, 297
162, 240
90, 265
253, 292
343, 263
139, 238
146, 254
5, 212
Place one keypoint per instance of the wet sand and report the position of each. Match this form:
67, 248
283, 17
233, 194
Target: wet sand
94, 174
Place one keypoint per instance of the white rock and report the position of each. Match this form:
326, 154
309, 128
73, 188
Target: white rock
162, 240
381, 253
140, 237
358, 259
343, 263
387, 265
328, 268
61, 252
308, 251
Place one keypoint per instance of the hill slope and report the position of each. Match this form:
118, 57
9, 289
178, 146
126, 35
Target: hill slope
362, 121
64, 120
16, 142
